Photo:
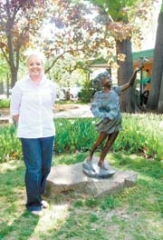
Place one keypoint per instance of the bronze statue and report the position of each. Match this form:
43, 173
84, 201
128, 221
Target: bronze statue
106, 107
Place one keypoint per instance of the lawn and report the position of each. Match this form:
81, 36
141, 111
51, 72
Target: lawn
135, 213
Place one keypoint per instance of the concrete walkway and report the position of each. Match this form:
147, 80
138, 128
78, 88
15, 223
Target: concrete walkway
79, 111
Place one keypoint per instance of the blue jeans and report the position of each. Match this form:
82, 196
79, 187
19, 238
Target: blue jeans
37, 153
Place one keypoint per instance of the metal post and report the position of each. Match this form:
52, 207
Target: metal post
142, 61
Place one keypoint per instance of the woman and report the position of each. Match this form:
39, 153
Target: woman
31, 107
106, 106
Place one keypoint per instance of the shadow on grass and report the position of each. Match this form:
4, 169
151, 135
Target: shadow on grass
20, 228
85, 221
139, 164
15, 221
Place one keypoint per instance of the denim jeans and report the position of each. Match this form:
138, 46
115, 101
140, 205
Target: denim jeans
37, 153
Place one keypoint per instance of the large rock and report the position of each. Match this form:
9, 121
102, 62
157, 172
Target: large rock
65, 178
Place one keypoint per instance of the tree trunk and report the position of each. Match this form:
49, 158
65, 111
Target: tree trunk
155, 101
160, 102
13, 61
13, 75
124, 73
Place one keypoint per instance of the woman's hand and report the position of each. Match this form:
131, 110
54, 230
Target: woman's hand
16, 118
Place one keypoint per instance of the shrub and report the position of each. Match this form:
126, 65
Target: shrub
9, 144
74, 134
4, 103
141, 134
87, 92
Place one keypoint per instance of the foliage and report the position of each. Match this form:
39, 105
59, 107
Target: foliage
74, 30
127, 17
4, 103
9, 145
69, 72
59, 28
126, 23
141, 134
78, 135
19, 20
87, 92
3, 68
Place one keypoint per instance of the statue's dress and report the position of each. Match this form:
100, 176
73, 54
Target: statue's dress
106, 107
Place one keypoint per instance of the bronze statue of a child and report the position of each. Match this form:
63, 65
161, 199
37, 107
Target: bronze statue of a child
106, 107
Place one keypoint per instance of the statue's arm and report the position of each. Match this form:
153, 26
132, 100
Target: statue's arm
130, 83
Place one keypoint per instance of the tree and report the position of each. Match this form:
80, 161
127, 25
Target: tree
74, 30
64, 72
155, 101
18, 22
3, 77
124, 15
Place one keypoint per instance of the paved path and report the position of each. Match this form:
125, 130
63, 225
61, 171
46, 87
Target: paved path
80, 111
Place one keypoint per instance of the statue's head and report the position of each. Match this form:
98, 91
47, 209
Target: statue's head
102, 80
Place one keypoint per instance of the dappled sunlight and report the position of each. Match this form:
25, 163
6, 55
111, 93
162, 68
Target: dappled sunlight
53, 218
113, 156
146, 180
133, 209
161, 124
20, 198
11, 165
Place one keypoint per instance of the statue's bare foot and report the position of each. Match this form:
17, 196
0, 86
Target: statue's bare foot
103, 166
88, 164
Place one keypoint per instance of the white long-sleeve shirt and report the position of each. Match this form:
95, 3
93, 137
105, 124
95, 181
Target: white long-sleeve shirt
34, 105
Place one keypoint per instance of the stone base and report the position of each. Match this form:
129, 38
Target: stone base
64, 178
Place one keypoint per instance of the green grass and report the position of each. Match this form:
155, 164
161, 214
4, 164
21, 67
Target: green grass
135, 213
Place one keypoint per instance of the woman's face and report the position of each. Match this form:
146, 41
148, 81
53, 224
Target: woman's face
35, 67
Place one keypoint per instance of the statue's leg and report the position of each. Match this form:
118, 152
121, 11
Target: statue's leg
111, 138
87, 165
102, 136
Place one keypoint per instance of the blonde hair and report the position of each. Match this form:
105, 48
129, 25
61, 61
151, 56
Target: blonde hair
34, 54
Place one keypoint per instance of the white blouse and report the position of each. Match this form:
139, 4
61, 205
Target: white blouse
34, 104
